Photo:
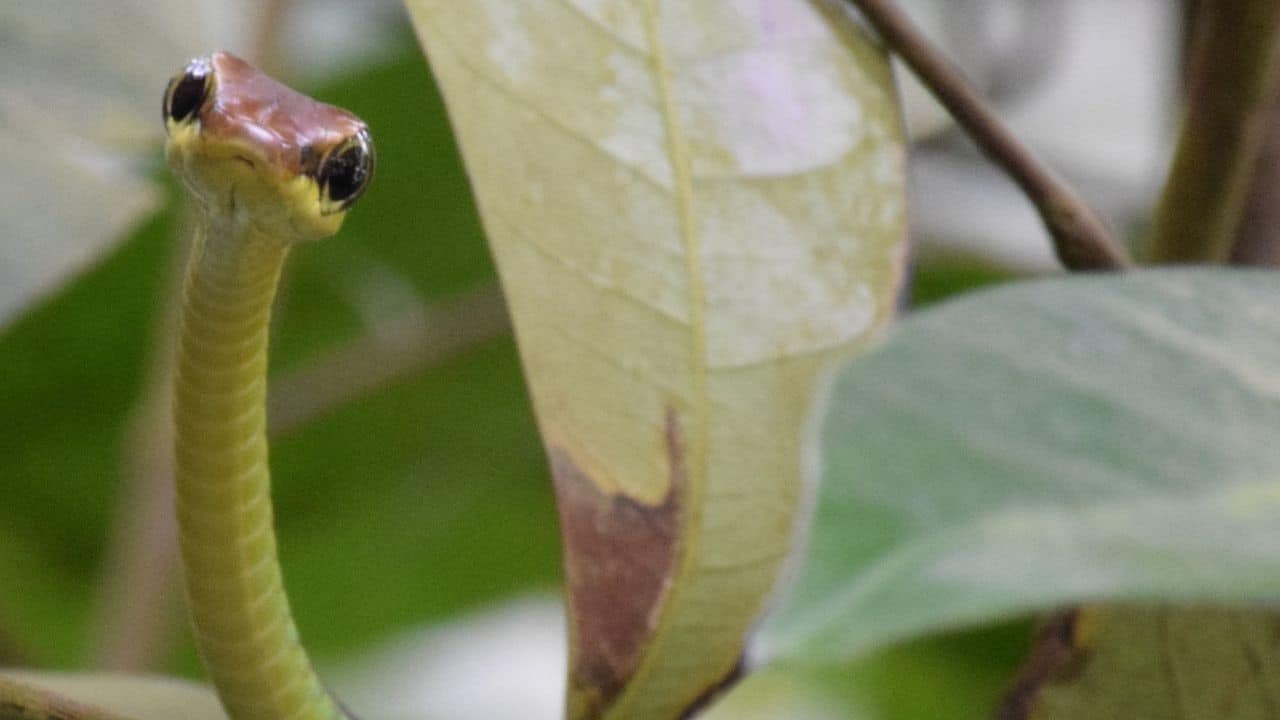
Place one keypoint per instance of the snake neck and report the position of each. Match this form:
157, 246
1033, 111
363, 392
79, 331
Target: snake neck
235, 591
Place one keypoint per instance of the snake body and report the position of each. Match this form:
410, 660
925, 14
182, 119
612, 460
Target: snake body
268, 169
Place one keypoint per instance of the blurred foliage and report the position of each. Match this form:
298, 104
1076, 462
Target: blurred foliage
376, 501
388, 507
77, 121
72, 369
956, 676
410, 505
942, 277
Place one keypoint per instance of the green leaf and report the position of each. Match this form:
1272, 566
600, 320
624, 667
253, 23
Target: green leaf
695, 209
1043, 444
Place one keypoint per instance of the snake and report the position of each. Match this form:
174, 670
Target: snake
268, 169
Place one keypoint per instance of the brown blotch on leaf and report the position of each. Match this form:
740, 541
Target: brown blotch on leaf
1055, 656
619, 557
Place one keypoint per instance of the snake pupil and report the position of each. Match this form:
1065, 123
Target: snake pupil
188, 93
347, 170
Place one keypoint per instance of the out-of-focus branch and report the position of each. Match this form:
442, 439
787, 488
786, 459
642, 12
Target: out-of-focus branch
1258, 236
394, 350
268, 30
137, 604
1232, 79
1080, 238
139, 598
1257, 239
1186, 38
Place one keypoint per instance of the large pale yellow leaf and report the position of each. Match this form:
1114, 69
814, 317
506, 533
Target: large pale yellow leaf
695, 207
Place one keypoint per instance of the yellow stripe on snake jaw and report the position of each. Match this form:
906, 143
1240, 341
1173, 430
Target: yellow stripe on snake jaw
268, 168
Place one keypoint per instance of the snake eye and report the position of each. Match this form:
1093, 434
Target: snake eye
188, 91
346, 170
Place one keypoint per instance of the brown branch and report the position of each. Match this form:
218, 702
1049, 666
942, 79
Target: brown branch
1191, 10
1257, 239
1080, 239
397, 349
137, 605
138, 609
266, 49
1232, 82
1054, 647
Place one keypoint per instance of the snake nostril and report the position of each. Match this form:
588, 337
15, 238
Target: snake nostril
309, 159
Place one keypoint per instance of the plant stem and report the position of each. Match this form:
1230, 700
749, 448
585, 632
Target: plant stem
268, 30
1232, 80
137, 605
138, 608
1257, 240
1080, 239
400, 347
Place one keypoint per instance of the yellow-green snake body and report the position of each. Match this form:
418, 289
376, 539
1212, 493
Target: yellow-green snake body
268, 169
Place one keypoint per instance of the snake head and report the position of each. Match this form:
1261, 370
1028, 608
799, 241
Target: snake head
261, 153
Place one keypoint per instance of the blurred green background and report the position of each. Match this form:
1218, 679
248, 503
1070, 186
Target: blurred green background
415, 501
425, 496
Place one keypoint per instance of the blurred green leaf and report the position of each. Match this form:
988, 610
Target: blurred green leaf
73, 368
937, 279
1043, 444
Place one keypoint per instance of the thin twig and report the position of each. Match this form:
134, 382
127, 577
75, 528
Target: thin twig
138, 608
266, 49
1191, 10
1258, 236
137, 605
1080, 239
138, 602
1235, 66
395, 350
